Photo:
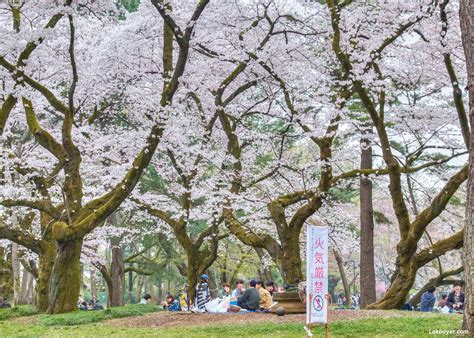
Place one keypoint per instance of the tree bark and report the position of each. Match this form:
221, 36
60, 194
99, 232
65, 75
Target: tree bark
266, 270
345, 284
289, 259
138, 291
65, 278
25, 282
130, 286
16, 274
30, 289
117, 273
93, 283
367, 269
466, 14
45, 268
193, 272
6, 277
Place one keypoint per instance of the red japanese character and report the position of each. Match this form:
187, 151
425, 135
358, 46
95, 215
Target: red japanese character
319, 258
319, 273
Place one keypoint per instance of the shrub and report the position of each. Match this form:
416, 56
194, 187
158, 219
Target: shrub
18, 311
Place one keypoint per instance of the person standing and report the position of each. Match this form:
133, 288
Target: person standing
203, 294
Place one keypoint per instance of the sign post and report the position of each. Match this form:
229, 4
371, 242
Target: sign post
317, 300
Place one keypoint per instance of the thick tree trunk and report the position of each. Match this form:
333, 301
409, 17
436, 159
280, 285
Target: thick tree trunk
367, 269
345, 284
402, 281
117, 273
6, 278
66, 277
45, 268
192, 274
289, 259
466, 14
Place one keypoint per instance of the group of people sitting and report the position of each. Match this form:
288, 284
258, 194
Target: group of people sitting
4, 303
256, 297
92, 305
448, 303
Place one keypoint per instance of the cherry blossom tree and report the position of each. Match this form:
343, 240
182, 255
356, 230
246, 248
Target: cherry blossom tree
364, 58
65, 95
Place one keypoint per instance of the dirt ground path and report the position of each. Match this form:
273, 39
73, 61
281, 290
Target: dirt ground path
186, 319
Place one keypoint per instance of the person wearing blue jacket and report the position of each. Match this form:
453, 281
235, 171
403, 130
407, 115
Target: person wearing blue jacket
171, 304
428, 300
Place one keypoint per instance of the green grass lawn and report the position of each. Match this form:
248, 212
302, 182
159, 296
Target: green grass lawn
87, 317
410, 326
19, 311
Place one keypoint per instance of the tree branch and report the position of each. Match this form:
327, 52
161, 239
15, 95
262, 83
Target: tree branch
20, 237
438, 204
439, 248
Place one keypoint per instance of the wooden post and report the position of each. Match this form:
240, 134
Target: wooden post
327, 314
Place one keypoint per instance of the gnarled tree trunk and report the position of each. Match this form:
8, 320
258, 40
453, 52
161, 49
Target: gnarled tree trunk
289, 259
65, 277
45, 268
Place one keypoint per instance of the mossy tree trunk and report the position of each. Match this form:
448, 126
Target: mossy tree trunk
409, 261
6, 277
45, 268
65, 278
290, 259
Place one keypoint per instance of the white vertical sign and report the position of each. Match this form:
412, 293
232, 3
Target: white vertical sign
316, 274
